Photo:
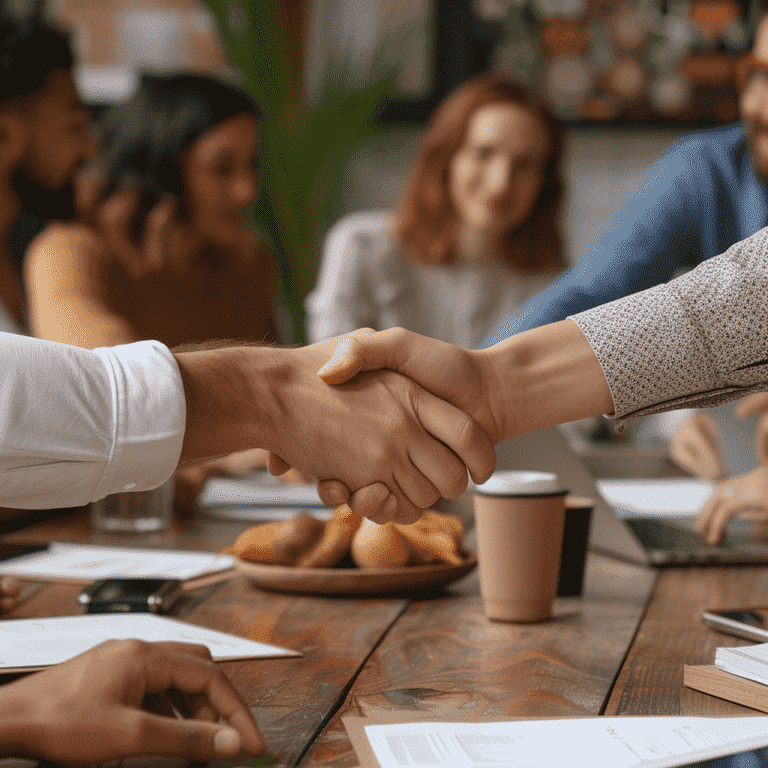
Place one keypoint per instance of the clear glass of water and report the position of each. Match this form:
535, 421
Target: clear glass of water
135, 512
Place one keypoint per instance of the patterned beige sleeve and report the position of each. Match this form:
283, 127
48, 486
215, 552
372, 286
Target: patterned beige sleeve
697, 341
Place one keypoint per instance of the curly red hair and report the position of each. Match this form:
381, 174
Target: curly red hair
426, 217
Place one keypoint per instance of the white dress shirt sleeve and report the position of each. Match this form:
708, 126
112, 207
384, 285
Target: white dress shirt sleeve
78, 424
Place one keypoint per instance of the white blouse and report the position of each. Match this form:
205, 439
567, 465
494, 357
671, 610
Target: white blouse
366, 280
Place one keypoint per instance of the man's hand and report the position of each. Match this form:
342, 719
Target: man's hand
696, 447
745, 493
460, 376
103, 705
377, 428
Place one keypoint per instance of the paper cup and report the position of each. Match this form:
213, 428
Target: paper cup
519, 519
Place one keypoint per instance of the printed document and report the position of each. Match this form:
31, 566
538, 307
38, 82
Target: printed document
618, 742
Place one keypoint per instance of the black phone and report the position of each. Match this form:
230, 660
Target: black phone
747, 623
130, 595
9, 551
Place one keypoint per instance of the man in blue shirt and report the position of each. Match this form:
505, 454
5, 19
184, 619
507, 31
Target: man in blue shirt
708, 192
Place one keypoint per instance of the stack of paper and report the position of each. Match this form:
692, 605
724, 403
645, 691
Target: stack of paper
749, 661
674, 497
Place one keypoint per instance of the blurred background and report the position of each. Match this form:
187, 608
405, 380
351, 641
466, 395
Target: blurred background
628, 76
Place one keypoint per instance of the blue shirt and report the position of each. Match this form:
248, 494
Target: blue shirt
695, 202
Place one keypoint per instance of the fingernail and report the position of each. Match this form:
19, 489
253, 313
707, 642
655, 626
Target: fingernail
7, 583
227, 741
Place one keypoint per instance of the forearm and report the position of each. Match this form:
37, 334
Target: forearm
546, 376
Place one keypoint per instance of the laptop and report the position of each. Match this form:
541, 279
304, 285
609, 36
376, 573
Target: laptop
642, 521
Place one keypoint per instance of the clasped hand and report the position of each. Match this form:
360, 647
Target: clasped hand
449, 426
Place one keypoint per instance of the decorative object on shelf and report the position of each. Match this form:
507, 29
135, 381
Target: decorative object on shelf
601, 60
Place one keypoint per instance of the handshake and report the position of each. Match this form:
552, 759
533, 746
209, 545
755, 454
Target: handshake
388, 422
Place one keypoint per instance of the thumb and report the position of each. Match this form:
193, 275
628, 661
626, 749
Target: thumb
192, 739
347, 361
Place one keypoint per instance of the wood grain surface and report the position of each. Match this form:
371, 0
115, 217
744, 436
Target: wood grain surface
672, 634
443, 655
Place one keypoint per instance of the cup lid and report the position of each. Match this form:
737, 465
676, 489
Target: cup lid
520, 483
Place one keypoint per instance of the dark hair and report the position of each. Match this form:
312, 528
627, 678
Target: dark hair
426, 218
30, 49
143, 139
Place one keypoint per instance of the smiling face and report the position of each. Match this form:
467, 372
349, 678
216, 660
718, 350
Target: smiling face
59, 143
221, 180
754, 105
495, 177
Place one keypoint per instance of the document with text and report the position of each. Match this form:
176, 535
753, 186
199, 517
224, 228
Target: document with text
618, 742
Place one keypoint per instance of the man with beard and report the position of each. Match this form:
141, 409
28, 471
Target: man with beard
44, 139
705, 194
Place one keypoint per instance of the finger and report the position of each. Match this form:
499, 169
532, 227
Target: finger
10, 587
376, 502
722, 516
463, 435
752, 404
276, 465
191, 739
8, 603
442, 466
705, 517
189, 675
414, 490
333, 493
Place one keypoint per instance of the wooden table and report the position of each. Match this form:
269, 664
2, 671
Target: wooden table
618, 650
437, 653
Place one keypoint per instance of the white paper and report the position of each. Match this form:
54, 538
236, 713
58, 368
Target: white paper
656, 498
89, 561
257, 489
749, 661
43, 642
615, 742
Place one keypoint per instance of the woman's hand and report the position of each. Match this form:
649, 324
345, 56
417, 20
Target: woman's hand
748, 492
757, 404
103, 705
696, 447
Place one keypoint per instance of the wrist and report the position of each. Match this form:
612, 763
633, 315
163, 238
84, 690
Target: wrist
230, 400
546, 376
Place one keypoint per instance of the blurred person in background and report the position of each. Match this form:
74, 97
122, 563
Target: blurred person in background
160, 248
475, 234
44, 139
705, 194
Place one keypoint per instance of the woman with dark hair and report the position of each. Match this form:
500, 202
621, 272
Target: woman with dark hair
476, 231
186, 145
182, 154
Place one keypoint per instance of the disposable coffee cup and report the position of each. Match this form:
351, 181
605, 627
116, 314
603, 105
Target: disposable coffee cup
135, 512
578, 517
519, 518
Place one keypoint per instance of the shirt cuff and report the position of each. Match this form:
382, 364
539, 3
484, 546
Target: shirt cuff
148, 419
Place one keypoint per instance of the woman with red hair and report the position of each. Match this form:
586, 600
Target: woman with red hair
474, 236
